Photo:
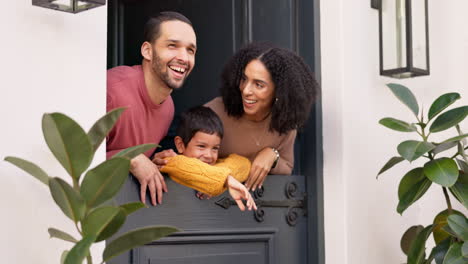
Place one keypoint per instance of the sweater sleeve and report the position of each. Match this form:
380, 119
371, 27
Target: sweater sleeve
286, 152
239, 166
196, 174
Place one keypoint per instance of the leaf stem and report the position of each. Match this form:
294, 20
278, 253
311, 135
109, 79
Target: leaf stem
447, 199
78, 228
419, 133
423, 134
76, 185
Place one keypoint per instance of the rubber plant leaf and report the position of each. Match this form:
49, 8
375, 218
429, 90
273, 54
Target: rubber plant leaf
68, 199
103, 126
405, 96
134, 239
104, 181
443, 171
441, 103
68, 142
30, 168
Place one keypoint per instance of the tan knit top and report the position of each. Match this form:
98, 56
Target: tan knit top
208, 179
247, 138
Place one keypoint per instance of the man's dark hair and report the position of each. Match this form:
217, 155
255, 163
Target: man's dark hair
199, 119
295, 86
152, 29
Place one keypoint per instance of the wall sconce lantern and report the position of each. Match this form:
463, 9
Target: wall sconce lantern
71, 6
403, 37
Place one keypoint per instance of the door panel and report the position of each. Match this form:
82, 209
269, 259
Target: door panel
272, 20
209, 230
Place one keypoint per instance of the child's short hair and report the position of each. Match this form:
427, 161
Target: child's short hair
199, 119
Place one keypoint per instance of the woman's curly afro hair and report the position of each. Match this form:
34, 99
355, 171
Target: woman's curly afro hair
295, 85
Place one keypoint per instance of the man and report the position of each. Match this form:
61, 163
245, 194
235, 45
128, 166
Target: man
145, 90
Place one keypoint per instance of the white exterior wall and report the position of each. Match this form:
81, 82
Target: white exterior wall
361, 222
51, 61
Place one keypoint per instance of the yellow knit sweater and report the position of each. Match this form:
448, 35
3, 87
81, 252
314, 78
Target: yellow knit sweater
209, 179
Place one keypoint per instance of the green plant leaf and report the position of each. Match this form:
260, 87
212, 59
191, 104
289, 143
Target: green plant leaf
441, 103
465, 249
113, 226
132, 152
418, 247
449, 119
409, 236
68, 142
412, 149
68, 199
450, 231
64, 256
130, 208
411, 178
443, 171
135, 238
457, 138
459, 225
461, 151
460, 189
101, 128
79, 252
440, 250
412, 187
30, 168
104, 181
103, 222
405, 96
444, 146
463, 165
397, 125
390, 163
454, 255
439, 223
53, 232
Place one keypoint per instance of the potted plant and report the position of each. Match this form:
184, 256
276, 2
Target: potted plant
85, 201
445, 167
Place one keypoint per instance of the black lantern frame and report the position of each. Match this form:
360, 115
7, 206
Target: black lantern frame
74, 6
408, 62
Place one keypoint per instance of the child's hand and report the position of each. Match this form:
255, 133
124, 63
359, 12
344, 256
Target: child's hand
239, 192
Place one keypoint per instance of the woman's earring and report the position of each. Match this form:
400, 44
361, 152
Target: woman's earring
276, 100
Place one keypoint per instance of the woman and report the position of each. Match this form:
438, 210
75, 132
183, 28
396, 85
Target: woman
267, 93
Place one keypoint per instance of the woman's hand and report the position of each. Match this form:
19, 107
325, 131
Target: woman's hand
261, 166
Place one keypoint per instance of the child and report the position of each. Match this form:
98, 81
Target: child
198, 138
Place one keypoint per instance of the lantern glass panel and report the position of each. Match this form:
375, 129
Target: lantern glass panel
393, 16
418, 17
70, 4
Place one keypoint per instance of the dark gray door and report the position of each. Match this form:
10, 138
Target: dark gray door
287, 228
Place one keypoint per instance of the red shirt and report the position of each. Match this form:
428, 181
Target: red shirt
143, 121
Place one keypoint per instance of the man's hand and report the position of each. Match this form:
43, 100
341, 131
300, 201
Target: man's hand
159, 160
239, 192
149, 177
261, 166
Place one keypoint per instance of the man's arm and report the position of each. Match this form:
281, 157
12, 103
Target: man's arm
149, 177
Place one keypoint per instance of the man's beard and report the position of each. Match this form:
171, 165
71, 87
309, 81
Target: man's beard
158, 67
